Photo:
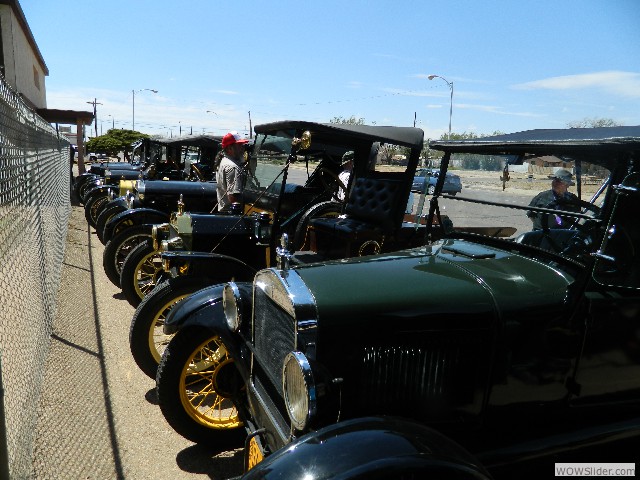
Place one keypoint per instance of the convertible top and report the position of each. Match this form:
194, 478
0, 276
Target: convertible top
405, 136
191, 140
569, 141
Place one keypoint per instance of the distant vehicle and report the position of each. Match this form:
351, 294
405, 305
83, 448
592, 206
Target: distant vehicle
426, 178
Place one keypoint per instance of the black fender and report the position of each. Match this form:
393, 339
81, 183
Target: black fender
207, 264
83, 178
100, 190
204, 309
133, 216
371, 448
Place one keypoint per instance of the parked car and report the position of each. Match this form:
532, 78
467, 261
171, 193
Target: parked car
514, 344
198, 250
156, 159
426, 179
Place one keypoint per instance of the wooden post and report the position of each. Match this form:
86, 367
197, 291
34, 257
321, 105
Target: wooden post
80, 144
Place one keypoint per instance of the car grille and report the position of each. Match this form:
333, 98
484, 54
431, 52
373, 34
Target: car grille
274, 336
420, 378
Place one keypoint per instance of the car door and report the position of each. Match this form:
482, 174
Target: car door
609, 369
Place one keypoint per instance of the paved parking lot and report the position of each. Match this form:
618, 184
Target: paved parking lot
98, 417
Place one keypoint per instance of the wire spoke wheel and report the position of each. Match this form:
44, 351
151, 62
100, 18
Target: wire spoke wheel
140, 272
147, 339
197, 391
192, 367
147, 274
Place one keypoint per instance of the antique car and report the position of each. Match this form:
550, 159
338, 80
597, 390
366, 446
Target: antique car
426, 179
126, 221
517, 345
189, 157
198, 250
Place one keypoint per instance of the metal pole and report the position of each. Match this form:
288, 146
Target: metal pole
450, 108
133, 109
4, 450
431, 77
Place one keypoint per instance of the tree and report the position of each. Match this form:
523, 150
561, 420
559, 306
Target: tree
115, 141
466, 160
593, 122
352, 120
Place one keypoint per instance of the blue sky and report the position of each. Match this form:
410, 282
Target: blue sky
514, 65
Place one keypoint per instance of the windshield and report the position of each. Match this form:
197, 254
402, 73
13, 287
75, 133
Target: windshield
545, 202
266, 163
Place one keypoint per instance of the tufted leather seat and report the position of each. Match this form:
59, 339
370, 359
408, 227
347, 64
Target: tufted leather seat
375, 201
374, 212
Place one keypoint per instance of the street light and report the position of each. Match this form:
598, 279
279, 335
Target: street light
133, 105
431, 77
113, 122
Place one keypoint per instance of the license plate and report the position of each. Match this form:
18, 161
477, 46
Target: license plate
254, 456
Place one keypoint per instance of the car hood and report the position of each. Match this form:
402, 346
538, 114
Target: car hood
453, 277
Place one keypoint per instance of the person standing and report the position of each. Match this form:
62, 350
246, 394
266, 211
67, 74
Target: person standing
557, 198
230, 174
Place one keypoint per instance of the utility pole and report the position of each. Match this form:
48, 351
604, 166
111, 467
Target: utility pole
95, 113
250, 129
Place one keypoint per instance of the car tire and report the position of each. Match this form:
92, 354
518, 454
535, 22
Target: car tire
147, 341
139, 274
93, 206
108, 212
194, 358
80, 181
85, 189
118, 248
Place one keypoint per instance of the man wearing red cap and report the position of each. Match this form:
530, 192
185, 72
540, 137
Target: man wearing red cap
230, 175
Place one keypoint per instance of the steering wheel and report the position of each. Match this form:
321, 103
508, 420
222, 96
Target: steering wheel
196, 171
324, 173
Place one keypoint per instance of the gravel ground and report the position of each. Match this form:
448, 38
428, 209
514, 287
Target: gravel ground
98, 417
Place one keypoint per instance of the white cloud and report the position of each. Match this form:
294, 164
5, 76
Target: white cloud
626, 84
226, 92
493, 109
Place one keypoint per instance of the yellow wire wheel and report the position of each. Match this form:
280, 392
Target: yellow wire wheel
197, 387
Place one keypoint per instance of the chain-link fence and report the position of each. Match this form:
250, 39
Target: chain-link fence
34, 211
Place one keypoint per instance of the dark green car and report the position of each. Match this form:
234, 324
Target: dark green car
513, 344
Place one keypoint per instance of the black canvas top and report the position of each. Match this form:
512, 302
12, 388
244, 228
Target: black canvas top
406, 136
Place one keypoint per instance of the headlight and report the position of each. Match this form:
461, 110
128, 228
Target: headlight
232, 306
158, 233
299, 389
172, 244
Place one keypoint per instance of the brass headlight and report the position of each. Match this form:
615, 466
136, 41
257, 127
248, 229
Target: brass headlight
158, 233
299, 390
166, 264
232, 306
172, 244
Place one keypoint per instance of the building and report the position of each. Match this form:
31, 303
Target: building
21, 62
24, 70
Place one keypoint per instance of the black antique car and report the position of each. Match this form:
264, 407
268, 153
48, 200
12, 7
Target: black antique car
517, 345
198, 250
188, 157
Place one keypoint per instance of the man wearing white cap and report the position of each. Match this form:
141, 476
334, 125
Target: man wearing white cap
558, 198
230, 175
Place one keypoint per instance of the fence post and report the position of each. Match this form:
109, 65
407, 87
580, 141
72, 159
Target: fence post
4, 454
